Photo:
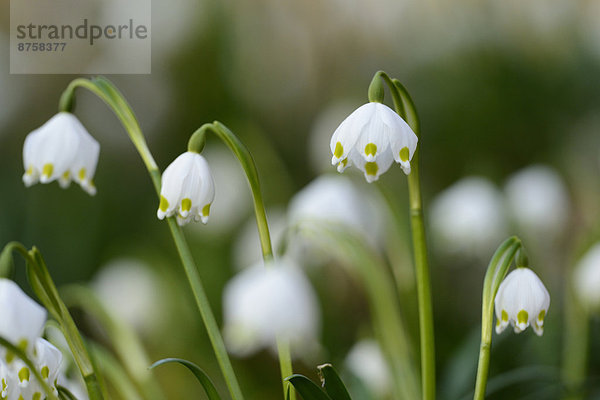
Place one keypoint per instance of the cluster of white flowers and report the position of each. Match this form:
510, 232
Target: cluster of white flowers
469, 218
522, 300
22, 323
62, 150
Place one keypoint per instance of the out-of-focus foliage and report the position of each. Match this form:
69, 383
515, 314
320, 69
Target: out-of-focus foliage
499, 85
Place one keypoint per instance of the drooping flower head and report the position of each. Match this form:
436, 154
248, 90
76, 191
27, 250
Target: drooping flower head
522, 300
62, 150
371, 138
187, 189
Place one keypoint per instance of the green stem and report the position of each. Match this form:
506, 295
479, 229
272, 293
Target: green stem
496, 272
196, 143
115, 100
576, 344
405, 107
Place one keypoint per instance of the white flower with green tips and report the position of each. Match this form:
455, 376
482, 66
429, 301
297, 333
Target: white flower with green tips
187, 189
371, 138
522, 300
62, 150
22, 318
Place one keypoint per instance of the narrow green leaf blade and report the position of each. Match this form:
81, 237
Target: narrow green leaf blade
202, 377
333, 384
307, 388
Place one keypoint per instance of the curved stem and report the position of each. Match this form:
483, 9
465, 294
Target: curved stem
246, 160
116, 102
496, 272
405, 107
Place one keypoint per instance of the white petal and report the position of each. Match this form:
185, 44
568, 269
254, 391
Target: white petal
347, 134
22, 318
374, 138
372, 169
172, 182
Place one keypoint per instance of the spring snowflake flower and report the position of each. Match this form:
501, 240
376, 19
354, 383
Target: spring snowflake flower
586, 279
371, 138
521, 300
21, 324
262, 302
62, 150
187, 189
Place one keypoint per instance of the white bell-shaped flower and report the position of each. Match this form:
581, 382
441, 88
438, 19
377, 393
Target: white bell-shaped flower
264, 302
522, 300
371, 138
22, 318
586, 279
187, 189
62, 150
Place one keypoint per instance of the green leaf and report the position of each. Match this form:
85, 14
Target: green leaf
332, 383
202, 377
7, 265
65, 394
307, 388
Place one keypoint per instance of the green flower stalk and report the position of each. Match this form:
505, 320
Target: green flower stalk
116, 102
520, 299
386, 136
196, 145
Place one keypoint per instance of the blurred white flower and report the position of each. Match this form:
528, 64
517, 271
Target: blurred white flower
61, 149
371, 138
22, 318
130, 292
586, 279
538, 201
366, 361
336, 201
468, 218
187, 189
264, 302
522, 300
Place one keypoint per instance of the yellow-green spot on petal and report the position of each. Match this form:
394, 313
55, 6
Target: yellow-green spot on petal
497, 322
371, 168
21, 397
164, 204
404, 154
344, 162
66, 175
10, 356
36, 396
504, 316
24, 374
45, 372
81, 174
29, 170
22, 344
339, 150
206, 210
522, 317
186, 205
541, 315
47, 170
371, 149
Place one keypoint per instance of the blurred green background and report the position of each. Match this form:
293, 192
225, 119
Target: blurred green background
499, 85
